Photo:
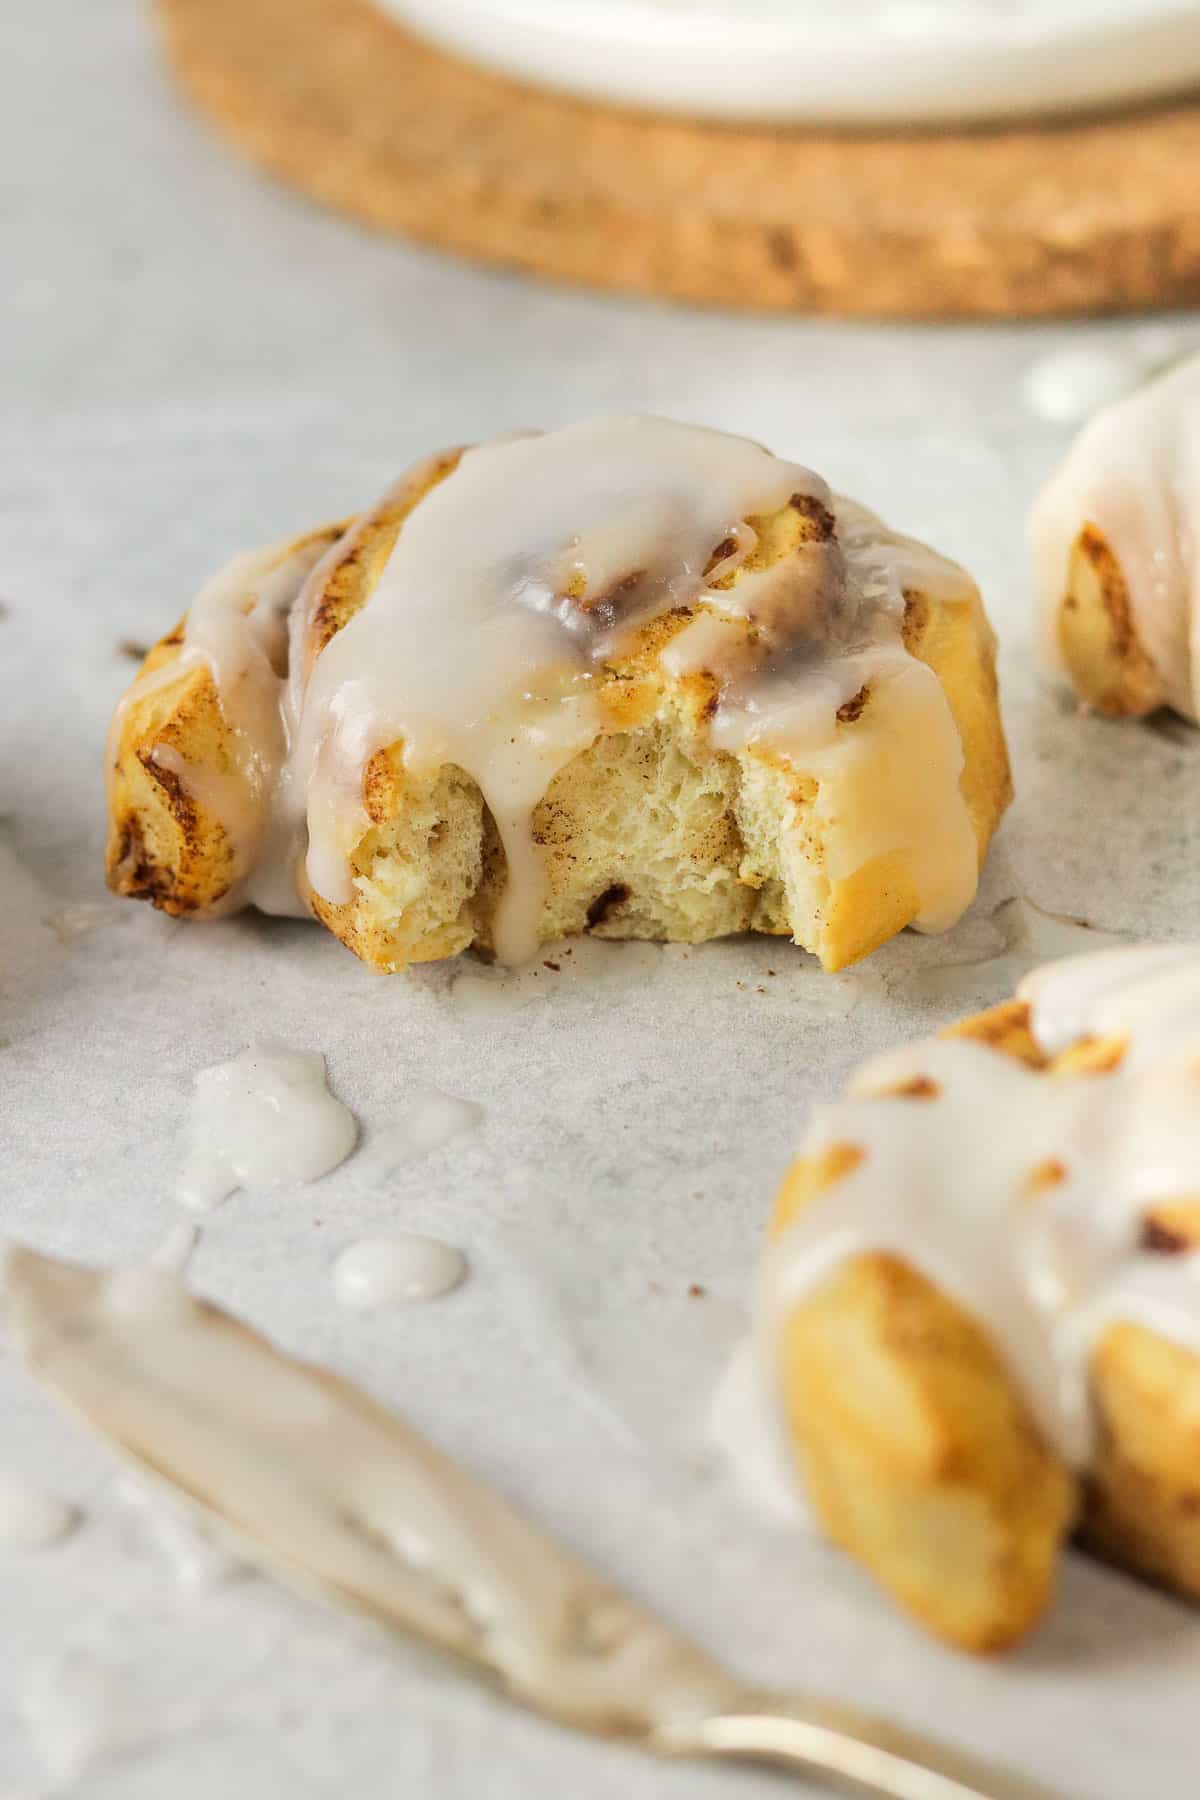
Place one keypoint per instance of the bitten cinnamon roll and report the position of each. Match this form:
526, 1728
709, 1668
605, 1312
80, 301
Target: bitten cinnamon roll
630, 677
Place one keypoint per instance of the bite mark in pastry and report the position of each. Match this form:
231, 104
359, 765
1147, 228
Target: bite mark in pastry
629, 677
980, 1308
1115, 543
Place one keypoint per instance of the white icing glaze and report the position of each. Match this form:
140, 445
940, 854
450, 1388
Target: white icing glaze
1134, 474
1149, 994
497, 678
175, 1248
536, 560
262, 1120
319, 1483
947, 1181
30, 1517
430, 1119
894, 781
1024, 935
1067, 386
380, 1271
144, 1291
745, 1424
195, 1556
72, 1703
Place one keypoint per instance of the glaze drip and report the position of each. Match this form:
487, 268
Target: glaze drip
263, 1119
378, 1272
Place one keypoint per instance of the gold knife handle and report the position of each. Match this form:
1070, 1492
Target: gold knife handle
848, 1749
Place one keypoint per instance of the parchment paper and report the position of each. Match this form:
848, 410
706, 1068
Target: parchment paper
196, 362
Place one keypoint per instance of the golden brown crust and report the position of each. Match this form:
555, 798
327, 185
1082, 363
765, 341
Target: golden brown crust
1097, 636
962, 654
1143, 1494
699, 843
164, 845
927, 1465
351, 582
920, 1452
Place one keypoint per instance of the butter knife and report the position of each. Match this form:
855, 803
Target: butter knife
320, 1485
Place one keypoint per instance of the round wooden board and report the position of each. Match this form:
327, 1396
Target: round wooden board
1085, 216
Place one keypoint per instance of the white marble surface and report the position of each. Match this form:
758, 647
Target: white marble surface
195, 361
